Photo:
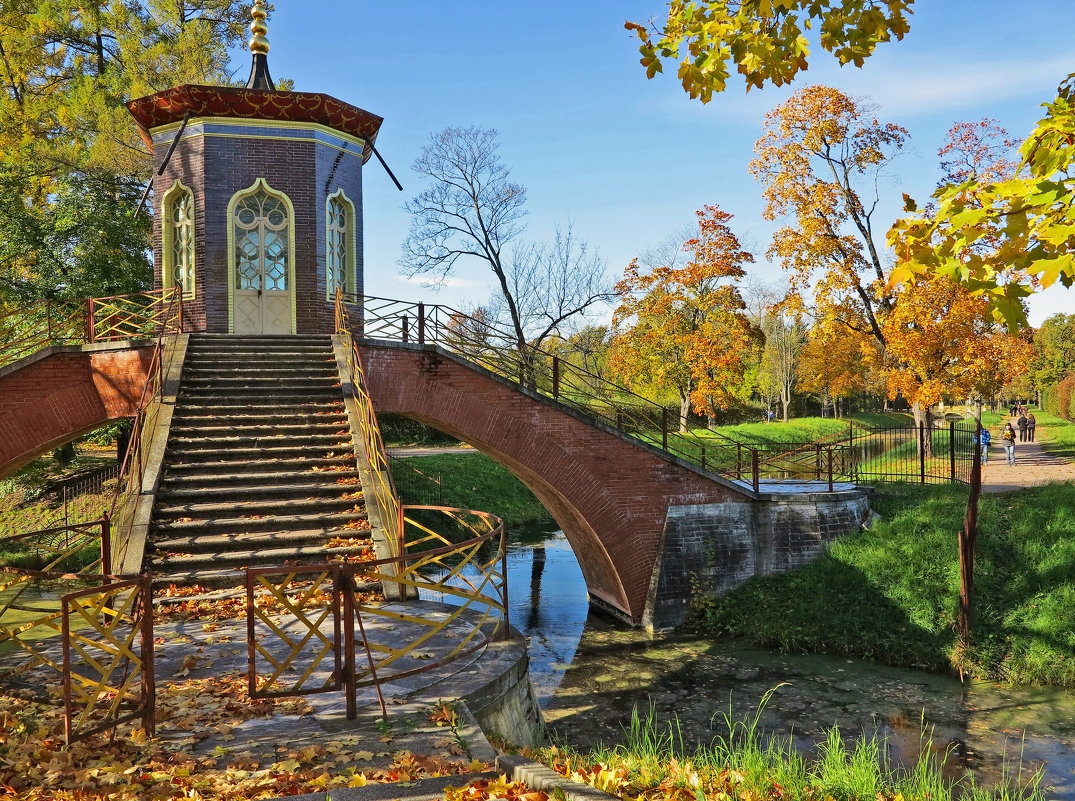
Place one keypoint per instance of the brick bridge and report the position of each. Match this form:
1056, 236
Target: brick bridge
64, 391
647, 528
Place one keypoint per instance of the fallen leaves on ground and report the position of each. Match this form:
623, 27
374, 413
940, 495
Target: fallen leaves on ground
35, 764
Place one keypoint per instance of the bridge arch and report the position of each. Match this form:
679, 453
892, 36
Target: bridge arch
61, 392
609, 494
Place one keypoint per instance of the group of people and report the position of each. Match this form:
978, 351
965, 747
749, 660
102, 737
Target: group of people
1024, 421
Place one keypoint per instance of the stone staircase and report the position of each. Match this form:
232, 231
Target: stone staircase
259, 467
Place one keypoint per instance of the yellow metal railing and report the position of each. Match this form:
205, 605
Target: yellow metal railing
383, 492
301, 621
27, 329
146, 422
108, 658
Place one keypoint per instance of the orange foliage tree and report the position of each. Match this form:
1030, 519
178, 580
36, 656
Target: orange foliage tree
821, 159
941, 340
682, 328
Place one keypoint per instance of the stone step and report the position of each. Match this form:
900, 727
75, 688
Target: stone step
183, 481
315, 430
254, 392
270, 411
324, 523
243, 369
226, 438
219, 543
242, 456
202, 509
248, 466
312, 554
167, 498
296, 445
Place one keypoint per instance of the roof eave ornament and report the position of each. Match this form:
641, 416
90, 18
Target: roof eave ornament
259, 47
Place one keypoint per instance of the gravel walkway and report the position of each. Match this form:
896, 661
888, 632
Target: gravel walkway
1032, 467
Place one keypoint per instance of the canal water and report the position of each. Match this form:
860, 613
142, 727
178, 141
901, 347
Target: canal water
589, 674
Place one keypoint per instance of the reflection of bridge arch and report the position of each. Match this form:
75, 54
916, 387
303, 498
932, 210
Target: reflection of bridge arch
62, 392
609, 494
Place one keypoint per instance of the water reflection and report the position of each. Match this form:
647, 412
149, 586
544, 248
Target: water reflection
590, 673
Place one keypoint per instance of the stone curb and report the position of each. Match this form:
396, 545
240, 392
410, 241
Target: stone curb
540, 777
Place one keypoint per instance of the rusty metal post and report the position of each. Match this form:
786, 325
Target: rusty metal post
556, 377
703, 457
830, 469
180, 310
952, 448
504, 574
421, 324
68, 703
348, 641
754, 469
739, 461
351, 693
619, 420
406, 328
664, 427
89, 321
817, 463
251, 664
149, 681
106, 546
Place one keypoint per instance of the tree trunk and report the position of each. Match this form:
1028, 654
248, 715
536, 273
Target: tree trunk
684, 410
923, 420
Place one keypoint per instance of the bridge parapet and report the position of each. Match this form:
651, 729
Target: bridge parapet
481, 342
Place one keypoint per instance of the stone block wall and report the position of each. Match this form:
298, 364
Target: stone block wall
713, 548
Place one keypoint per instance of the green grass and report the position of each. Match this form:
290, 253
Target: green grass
1057, 436
890, 594
743, 762
468, 481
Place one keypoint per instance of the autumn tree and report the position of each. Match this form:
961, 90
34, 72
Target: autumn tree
1054, 350
680, 326
822, 159
833, 366
765, 40
471, 210
1031, 216
71, 160
942, 340
945, 344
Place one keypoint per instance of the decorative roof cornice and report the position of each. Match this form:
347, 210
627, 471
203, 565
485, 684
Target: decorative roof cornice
171, 105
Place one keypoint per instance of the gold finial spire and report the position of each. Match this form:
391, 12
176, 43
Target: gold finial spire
258, 43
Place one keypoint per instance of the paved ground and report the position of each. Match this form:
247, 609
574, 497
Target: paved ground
1032, 467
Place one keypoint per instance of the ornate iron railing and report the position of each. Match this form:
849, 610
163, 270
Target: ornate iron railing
130, 487
28, 329
97, 618
382, 492
484, 344
301, 636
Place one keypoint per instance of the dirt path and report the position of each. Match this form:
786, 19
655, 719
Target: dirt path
1032, 467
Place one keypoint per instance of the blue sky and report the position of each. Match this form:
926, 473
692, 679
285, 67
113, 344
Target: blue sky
629, 160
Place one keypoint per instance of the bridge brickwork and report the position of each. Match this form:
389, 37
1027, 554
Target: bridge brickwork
64, 391
609, 494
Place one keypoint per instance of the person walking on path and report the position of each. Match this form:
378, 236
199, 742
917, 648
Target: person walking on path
1007, 438
1022, 423
1031, 421
986, 438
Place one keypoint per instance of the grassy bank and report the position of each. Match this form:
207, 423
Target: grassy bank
469, 481
1057, 436
890, 594
743, 763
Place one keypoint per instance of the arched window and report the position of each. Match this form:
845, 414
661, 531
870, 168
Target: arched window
261, 242
340, 245
178, 233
